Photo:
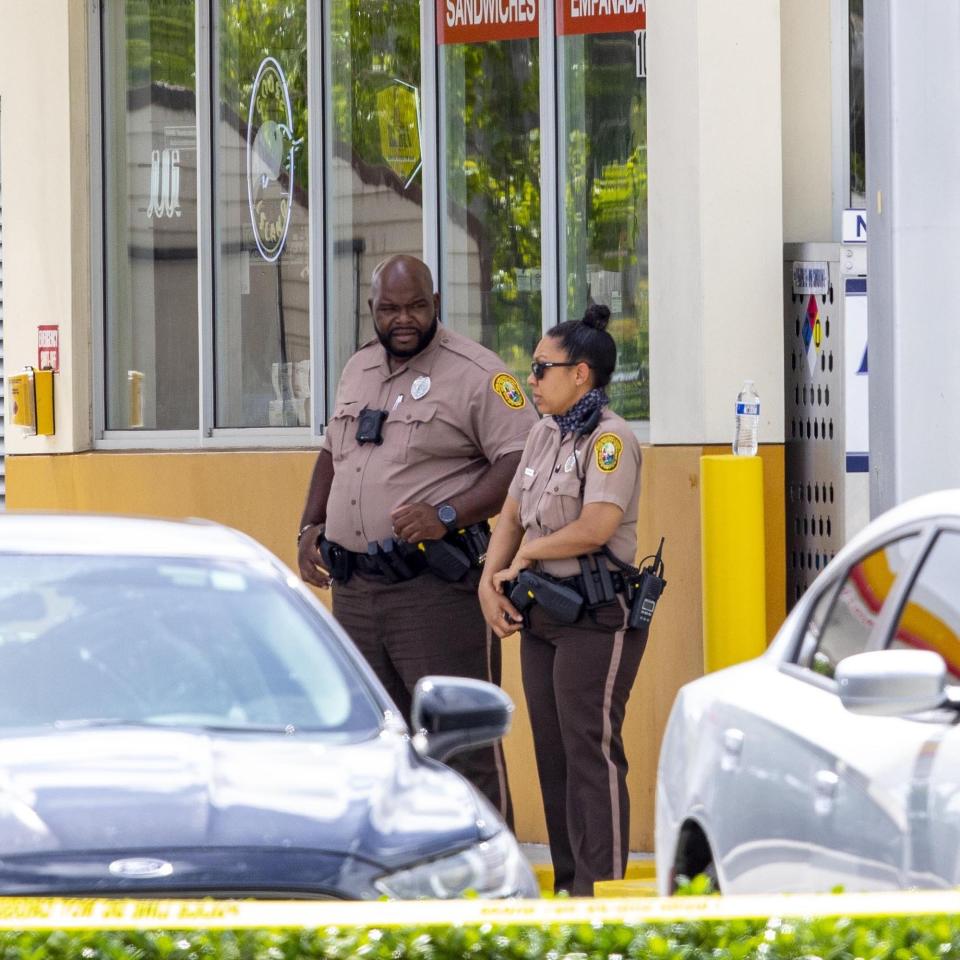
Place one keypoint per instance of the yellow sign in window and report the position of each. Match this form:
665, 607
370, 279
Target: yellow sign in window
398, 111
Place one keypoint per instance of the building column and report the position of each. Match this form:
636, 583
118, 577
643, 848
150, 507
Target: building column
44, 88
912, 66
716, 219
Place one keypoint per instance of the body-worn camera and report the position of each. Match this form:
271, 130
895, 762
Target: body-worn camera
370, 426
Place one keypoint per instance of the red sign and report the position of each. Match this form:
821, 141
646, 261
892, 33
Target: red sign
476, 21
600, 16
48, 347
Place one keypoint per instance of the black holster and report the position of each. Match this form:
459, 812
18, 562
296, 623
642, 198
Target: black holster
562, 603
337, 560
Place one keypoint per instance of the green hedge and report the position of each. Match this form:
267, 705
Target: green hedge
898, 938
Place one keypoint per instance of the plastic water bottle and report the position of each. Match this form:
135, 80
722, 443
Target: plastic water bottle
748, 421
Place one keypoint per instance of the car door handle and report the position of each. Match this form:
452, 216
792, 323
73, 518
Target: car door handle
733, 742
732, 748
824, 792
826, 783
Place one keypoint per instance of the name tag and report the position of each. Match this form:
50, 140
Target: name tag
529, 472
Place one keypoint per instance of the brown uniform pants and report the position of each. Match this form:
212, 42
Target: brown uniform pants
576, 679
426, 626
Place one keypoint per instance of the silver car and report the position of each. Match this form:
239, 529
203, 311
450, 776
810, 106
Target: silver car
834, 758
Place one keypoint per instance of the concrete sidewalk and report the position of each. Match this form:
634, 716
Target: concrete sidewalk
640, 880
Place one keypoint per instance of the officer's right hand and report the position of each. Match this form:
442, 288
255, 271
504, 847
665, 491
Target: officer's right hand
501, 615
310, 560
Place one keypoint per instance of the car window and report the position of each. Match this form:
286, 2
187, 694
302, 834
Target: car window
930, 618
178, 642
814, 626
850, 621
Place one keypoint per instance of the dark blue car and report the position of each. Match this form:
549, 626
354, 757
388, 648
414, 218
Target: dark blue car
180, 716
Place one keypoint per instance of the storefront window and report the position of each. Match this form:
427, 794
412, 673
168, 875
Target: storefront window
261, 222
490, 194
372, 157
150, 170
603, 159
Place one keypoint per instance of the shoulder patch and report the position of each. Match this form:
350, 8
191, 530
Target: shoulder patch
509, 390
608, 448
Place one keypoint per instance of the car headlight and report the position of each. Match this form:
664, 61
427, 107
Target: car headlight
490, 868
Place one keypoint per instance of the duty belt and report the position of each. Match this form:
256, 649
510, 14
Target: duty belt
395, 561
565, 598
587, 587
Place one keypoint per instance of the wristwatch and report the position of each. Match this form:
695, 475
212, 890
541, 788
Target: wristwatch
447, 515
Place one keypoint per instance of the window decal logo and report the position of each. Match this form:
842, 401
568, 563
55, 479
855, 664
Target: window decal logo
271, 150
164, 184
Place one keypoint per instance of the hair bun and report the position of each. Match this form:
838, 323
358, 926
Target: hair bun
597, 315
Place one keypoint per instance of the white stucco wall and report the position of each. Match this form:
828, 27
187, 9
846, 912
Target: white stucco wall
716, 223
45, 149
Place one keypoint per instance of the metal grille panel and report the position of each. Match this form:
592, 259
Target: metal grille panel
815, 441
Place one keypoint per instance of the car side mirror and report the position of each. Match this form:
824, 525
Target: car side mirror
892, 683
451, 714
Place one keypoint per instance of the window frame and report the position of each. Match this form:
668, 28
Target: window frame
935, 531
798, 663
206, 435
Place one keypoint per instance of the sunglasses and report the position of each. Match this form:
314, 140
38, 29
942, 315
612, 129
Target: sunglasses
539, 367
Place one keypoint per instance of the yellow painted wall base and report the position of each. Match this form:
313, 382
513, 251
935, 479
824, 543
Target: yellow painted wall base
262, 493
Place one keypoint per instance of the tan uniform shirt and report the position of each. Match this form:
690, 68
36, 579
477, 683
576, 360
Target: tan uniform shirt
557, 477
453, 411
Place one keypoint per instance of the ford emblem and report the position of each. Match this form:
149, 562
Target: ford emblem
141, 868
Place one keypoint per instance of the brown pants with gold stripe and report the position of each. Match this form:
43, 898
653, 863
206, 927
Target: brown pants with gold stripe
576, 679
426, 626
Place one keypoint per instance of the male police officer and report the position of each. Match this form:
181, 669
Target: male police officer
425, 437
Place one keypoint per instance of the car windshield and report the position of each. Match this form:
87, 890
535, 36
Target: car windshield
104, 640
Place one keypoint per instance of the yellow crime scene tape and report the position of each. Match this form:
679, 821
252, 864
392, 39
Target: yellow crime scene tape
91, 914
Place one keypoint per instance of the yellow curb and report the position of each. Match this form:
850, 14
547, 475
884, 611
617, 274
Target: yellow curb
625, 888
637, 870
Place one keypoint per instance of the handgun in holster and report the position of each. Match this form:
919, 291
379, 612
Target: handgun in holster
337, 561
445, 560
560, 602
647, 589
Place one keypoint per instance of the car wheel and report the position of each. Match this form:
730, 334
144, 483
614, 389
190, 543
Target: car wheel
694, 858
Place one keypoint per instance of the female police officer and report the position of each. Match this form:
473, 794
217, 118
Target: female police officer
575, 493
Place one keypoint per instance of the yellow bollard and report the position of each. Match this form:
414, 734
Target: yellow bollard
732, 560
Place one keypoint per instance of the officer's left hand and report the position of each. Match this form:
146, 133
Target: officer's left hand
512, 572
414, 522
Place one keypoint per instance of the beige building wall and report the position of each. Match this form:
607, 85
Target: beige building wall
715, 214
809, 54
46, 217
